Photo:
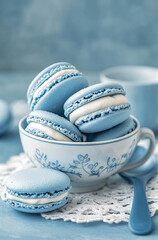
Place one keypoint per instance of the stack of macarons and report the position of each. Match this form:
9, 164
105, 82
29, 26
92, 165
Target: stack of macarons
64, 107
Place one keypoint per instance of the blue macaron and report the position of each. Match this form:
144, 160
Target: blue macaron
52, 126
37, 190
98, 107
120, 130
5, 117
53, 86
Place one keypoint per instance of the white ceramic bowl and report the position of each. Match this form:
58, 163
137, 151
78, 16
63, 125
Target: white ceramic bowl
87, 164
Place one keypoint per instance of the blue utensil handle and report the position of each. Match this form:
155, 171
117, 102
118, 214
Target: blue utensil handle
140, 220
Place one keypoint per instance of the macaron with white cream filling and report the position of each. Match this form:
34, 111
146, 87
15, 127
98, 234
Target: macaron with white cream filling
98, 107
52, 126
37, 190
53, 86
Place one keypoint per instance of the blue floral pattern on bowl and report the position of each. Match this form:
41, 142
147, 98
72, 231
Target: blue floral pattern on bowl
83, 163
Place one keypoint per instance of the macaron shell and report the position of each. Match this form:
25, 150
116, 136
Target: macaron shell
40, 208
103, 121
54, 99
47, 118
38, 133
44, 75
37, 181
92, 89
120, 130
90, 94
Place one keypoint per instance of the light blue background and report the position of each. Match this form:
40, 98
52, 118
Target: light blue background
91, 34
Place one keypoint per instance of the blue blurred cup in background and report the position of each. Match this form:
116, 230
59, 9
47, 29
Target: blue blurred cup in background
141, 85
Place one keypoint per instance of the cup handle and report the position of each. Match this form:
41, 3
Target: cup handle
144, 133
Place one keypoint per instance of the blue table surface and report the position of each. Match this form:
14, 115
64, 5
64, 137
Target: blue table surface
17, 225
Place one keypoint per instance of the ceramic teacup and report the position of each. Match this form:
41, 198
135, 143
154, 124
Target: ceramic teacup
88, 164
141, 85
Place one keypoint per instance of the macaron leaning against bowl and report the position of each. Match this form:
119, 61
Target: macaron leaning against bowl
120, 130
5, 117
36, 190
53, 86
52, 126
98, 107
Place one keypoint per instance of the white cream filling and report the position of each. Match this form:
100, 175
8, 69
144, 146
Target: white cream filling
52, 79
97, 105
49, 131
36, 200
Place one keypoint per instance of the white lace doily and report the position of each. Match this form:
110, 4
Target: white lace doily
111, 204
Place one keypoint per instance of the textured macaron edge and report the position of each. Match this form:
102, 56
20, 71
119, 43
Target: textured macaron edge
34, 102
49, 194
131, 129
102, 113
45, 75
38, 133
47, 206
113, 132
69, 108
56, 126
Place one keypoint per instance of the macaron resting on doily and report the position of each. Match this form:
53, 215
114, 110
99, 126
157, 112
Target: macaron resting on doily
37, 190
